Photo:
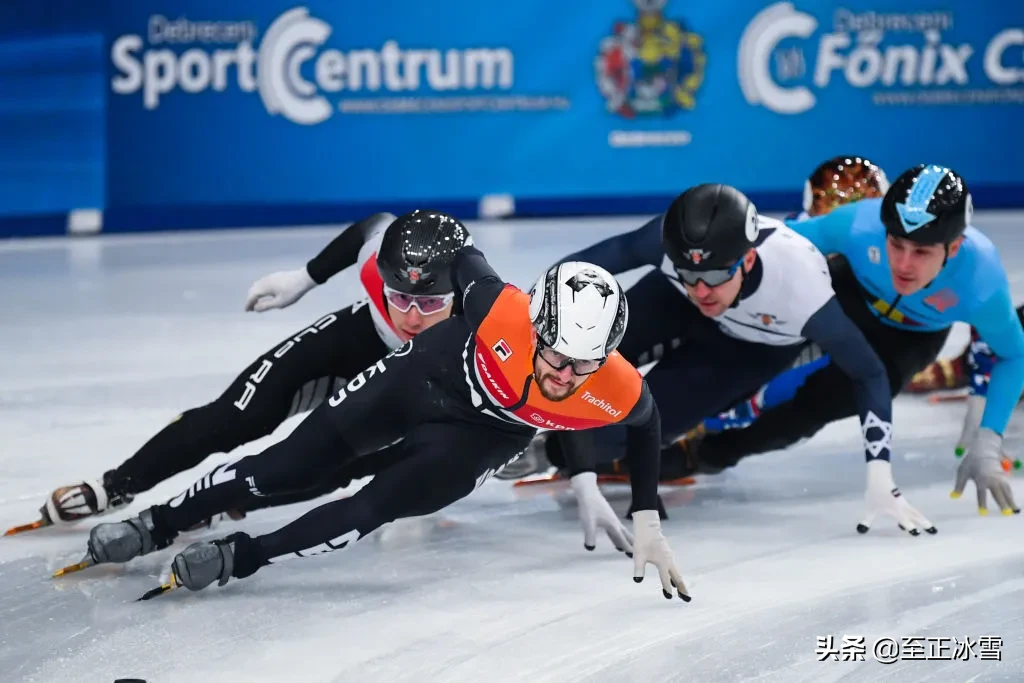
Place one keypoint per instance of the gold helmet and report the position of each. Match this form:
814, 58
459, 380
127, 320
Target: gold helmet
842, 180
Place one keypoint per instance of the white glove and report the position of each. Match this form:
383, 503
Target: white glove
883, 498
972, 422
278, 290
596, 512
983, 465
650, 545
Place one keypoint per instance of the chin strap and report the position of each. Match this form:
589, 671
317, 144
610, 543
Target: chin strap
743, 281
945, 260
739, 292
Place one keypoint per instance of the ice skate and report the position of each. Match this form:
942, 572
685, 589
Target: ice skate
199, 565
678, 463
119, 542
69, 504
941, 375
681, 461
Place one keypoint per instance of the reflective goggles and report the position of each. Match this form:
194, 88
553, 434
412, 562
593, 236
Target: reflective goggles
712, 278
428, 304
580, 368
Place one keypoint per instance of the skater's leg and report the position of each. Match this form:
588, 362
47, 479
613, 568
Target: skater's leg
367, 465
375, 409
444, 462
292, 377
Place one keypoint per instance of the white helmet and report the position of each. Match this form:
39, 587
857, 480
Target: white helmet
579, 310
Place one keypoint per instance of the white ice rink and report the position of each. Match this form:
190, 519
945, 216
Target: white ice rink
106, 339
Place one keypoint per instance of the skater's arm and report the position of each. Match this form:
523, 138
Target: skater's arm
643, 449
476, 285
283, 288
577, 447
980, 360
1000, 327
843, 341
343, 251
829, 232
641, 247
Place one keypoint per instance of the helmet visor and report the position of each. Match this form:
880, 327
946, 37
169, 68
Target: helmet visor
427, 304
557, 360
712, 278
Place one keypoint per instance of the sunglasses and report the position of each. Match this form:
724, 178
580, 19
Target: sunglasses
428, 304
712, 278
580, 368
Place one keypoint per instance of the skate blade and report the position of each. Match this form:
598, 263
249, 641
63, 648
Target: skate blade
536, 479
171, 584
695, 433
38, 524
624, 479
71, 568
947, 398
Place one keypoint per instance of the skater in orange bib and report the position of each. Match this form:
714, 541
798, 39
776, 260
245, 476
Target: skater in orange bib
504, 369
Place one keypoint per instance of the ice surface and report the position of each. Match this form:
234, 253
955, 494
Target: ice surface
104, 340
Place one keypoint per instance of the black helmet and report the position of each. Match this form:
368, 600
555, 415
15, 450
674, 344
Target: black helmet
709, 227
927, 204
417, 250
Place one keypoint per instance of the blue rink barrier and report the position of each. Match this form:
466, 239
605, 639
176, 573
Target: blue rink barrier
272, 113
174, 218
153, 219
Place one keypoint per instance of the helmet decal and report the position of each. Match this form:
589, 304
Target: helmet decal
697, 255
586, 278
927, 204
751, 226
913, 212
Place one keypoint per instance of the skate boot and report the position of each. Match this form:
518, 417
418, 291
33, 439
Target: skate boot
85, 499
684, 459
202, 563
75, 502
119, 542
940, 375
678, 462
533, 461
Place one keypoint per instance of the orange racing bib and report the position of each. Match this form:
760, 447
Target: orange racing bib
502, 368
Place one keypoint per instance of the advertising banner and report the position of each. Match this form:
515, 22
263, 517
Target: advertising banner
602, 104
